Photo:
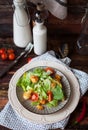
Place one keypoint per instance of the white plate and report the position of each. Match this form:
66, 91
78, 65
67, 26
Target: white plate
51, 118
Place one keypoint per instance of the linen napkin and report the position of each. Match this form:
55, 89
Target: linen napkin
10, 119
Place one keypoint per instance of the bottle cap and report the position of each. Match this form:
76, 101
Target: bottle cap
38, 18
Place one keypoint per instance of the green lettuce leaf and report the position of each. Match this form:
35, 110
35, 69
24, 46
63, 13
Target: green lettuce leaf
52, 103
58, 93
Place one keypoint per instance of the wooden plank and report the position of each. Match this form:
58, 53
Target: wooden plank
3, 102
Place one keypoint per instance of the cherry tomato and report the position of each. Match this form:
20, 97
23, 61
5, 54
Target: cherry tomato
49, 96
29, 59
4, 56
50, 70
10, 50
34, 97
2, 50
11, 56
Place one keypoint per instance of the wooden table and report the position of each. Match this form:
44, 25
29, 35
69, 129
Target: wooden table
78, 62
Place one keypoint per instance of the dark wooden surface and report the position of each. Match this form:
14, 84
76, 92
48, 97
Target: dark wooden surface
59, 32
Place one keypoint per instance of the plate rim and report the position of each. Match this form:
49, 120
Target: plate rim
44, 119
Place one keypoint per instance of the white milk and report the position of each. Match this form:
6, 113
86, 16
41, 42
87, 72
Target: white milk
40, 38
21, 28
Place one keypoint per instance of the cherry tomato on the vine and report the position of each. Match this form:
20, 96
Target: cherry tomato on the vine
10, 50
2, 50
7, 53
4, 56
11, 56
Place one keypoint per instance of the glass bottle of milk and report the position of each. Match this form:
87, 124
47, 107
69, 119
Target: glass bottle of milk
39, 37
21, 25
